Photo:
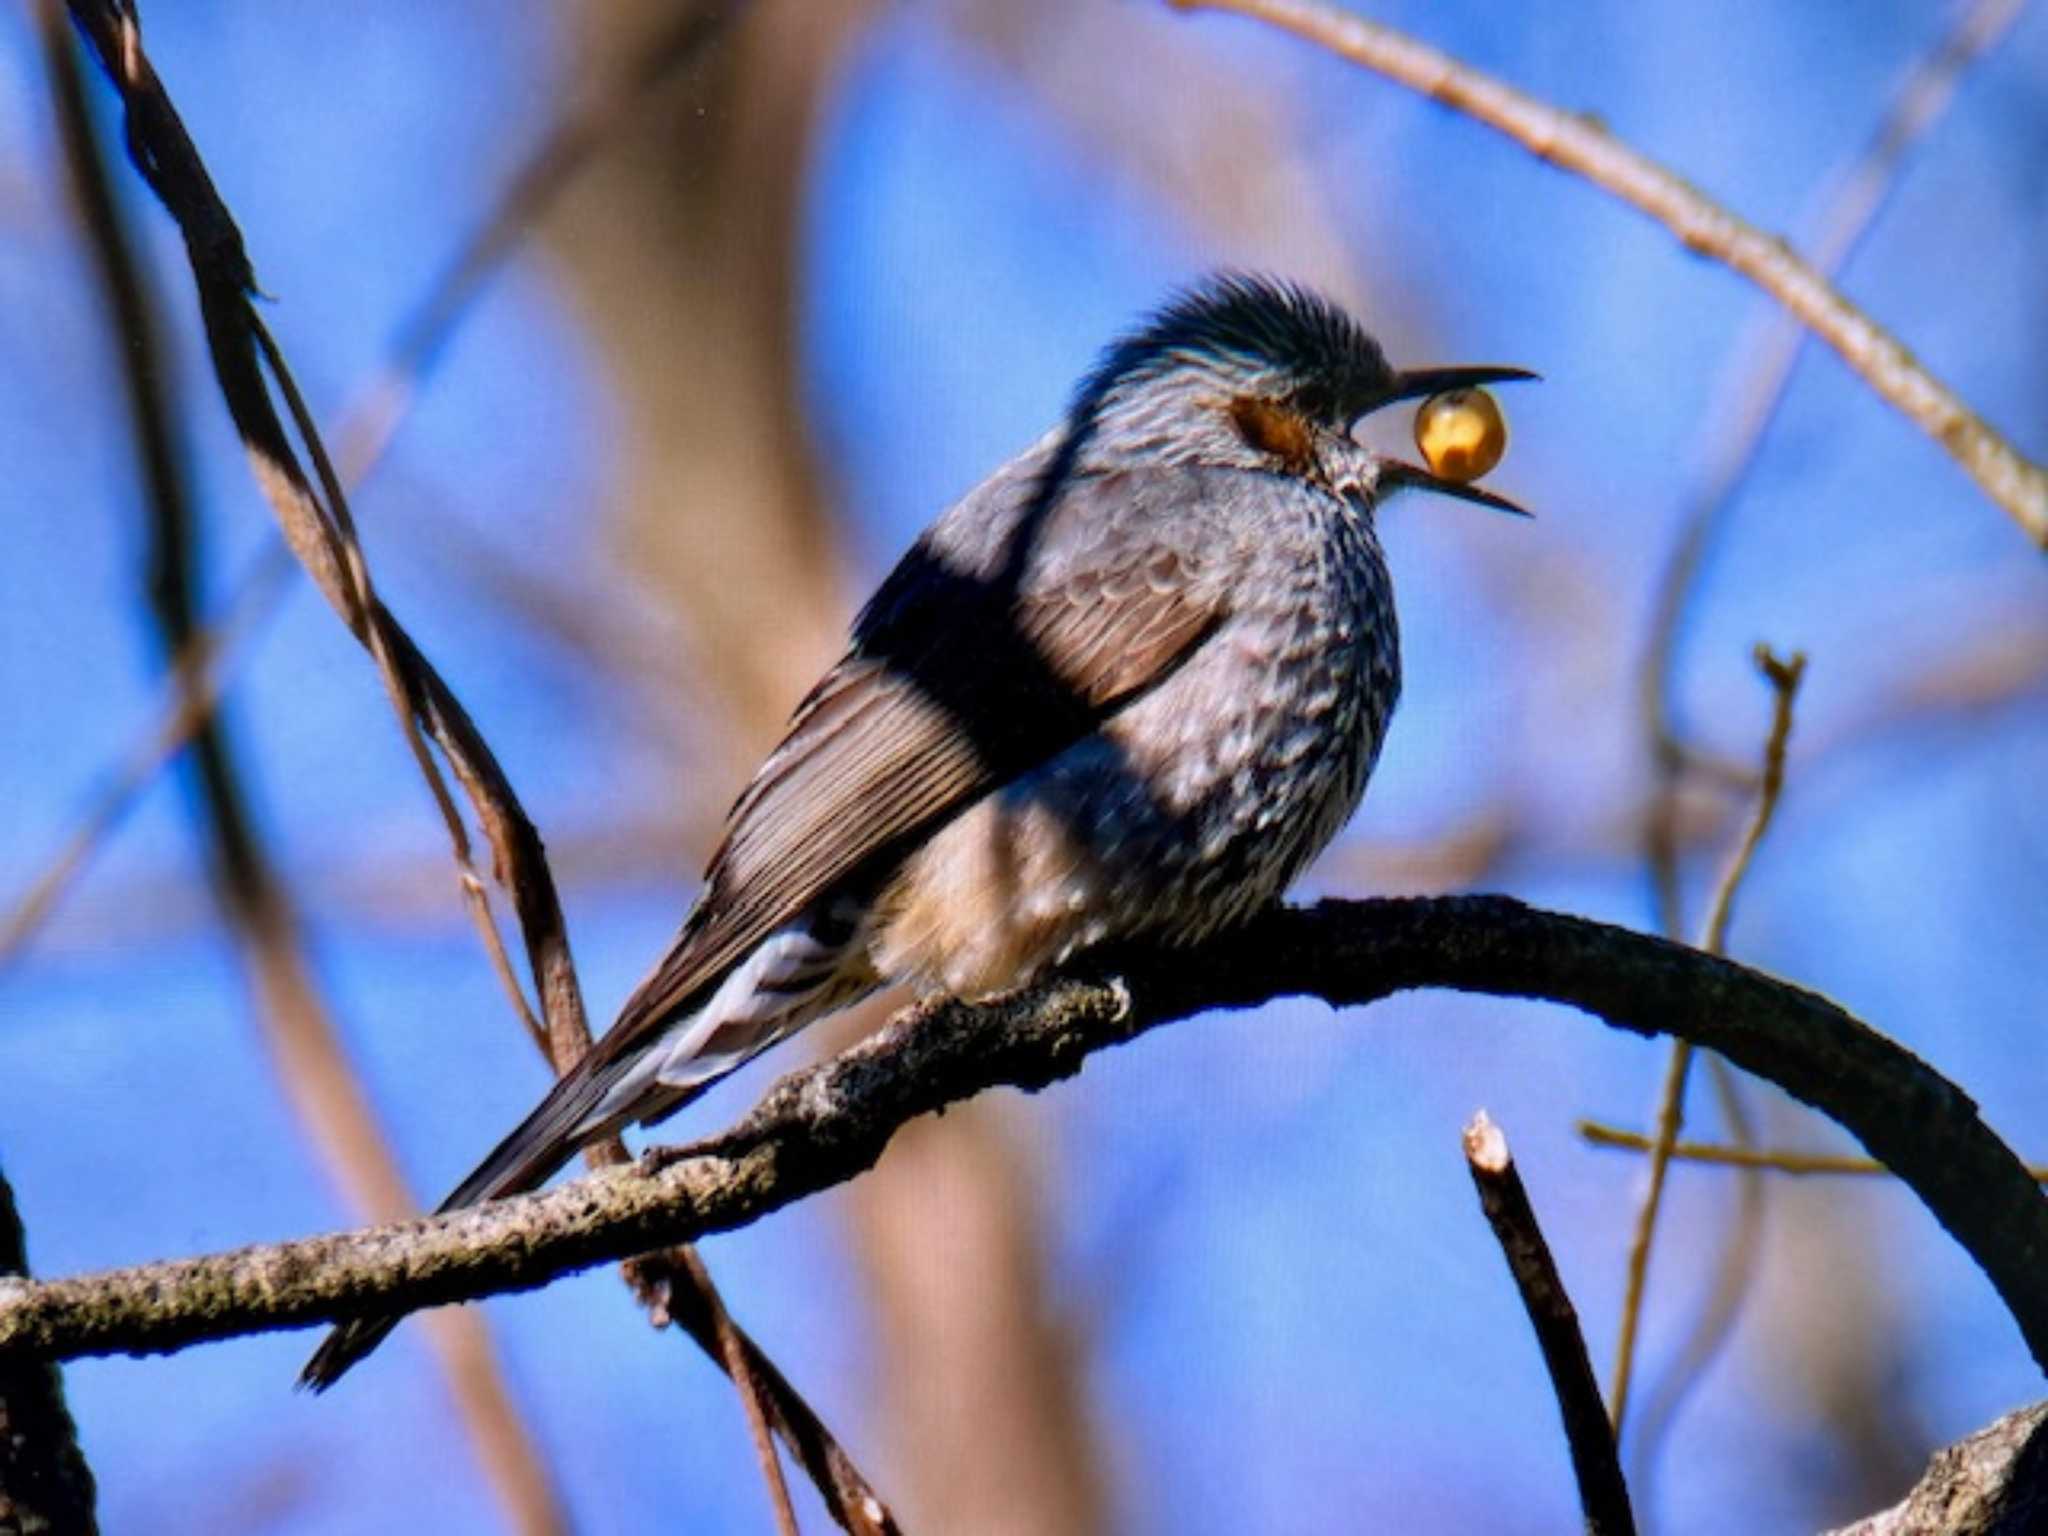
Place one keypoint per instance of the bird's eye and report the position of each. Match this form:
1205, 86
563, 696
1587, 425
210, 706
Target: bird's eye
1461, 434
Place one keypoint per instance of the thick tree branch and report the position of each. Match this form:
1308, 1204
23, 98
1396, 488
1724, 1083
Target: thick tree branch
1995, 1483
824, 1125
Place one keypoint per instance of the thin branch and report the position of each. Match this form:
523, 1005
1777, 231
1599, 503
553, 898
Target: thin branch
1734, 1268
365, 433
314, 515
1576, 143
1764, 1159
297, 1024
1603, 1493
1784, 677
1670, 1099
848, 1497
45, 1483
825, 1124
1763, 381
736, 1356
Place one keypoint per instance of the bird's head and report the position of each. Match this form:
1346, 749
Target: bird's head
1269, 375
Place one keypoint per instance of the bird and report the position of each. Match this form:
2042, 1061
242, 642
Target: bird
1123, 690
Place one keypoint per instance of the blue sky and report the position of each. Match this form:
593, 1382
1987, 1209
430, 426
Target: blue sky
1309, 1327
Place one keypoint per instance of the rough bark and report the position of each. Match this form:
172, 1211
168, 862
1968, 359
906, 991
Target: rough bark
1995, 1483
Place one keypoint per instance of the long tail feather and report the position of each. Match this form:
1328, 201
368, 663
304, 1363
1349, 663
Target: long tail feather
524, 1160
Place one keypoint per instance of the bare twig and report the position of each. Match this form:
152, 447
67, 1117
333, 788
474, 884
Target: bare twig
736, 1356
45, 1483
825, 1124
1603, 1493
1763, 379
1734, 1267
365, 434
1764, 1159
1784, 677
314, 515
1578, 144
848, 1497
296, 1021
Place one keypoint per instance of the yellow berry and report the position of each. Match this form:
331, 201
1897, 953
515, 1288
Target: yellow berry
1461, 434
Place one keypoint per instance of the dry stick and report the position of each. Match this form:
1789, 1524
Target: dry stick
1783, 676
1603, 1492
46, 1485
1779, 1160
318, 526
825, 1124
733, 1352
1578, 144
296, 1021
847, 1496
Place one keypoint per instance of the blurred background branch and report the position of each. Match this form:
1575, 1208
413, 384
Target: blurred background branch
1704, 227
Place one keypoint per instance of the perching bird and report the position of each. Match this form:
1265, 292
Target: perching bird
1125, 689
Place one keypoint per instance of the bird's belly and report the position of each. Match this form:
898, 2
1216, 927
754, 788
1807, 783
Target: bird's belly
1186, 813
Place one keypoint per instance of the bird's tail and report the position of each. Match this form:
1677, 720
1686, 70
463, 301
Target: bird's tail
670, 1043
570, 1117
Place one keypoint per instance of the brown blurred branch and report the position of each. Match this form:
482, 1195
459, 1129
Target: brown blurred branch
826, 1124
535, 187
1764, 1159
688, 271
1762, 382
365, 433
1576, 143
1603, 1494
45, 1483
1783, 677
197, 669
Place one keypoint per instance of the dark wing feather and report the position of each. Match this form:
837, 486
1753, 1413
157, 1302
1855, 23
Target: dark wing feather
1003, 638
961, 676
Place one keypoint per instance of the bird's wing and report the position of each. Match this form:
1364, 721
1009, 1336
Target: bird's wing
977, 660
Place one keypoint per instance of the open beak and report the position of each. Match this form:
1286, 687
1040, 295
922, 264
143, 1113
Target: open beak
1419, 384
